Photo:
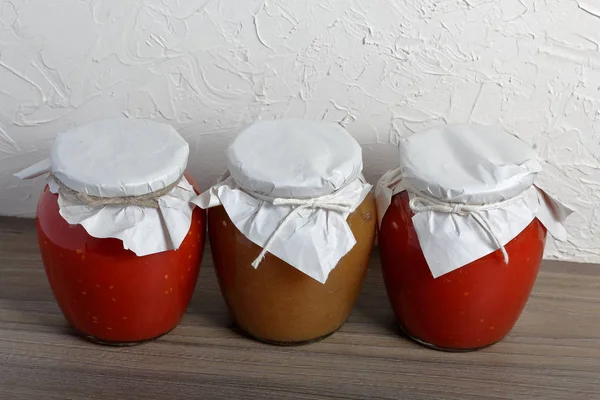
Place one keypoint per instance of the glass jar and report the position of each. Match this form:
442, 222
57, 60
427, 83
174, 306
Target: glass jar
481, 300
277, 303
462, 234
118, 276
292, 230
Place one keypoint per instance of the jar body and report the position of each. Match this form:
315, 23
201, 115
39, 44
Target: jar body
469, 308
276, 303
109, 294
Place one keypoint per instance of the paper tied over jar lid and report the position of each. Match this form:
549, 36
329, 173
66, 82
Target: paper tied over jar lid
123, 179
471, 189
289, 188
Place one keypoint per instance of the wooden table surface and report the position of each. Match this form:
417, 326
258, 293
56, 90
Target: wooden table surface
553, 352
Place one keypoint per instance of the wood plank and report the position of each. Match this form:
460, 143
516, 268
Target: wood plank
553, 352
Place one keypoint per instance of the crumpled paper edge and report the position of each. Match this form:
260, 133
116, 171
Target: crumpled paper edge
142, 230
212, 198
549, 211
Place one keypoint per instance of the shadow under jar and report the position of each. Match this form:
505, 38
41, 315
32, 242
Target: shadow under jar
107, 292
448, 287
306, 287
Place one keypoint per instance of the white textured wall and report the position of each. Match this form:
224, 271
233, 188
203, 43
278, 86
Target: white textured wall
381, 67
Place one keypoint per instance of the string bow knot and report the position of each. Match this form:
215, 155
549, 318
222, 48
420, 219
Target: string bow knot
327, 202
422, 203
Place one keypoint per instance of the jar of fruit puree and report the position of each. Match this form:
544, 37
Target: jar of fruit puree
291, 229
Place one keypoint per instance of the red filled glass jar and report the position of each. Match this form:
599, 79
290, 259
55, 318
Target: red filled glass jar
462, 234
119, 274
482, 300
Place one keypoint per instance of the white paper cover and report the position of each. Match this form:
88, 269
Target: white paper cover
293, 159
470, 165
116, 158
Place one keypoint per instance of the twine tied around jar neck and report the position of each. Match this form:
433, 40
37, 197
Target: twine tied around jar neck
328, 202
421, 202
148, 200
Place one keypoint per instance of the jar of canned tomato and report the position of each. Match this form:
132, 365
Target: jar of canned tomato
120, 242
462, 233
291, 229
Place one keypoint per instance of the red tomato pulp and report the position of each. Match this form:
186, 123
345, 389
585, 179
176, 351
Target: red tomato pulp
108, 293
469, 308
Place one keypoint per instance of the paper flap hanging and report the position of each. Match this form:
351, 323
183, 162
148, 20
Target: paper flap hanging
388, 185
323, 235
38, 169
450, 241
552, 214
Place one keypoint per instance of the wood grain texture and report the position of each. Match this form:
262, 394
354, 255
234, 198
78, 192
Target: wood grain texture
553, 352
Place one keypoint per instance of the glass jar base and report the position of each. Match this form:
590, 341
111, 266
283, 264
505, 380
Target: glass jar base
445, 349
243, 332
112, 343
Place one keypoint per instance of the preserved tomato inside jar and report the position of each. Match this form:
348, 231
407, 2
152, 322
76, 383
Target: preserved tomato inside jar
277, 303
120, 241
462, 233
471, 307
109, 294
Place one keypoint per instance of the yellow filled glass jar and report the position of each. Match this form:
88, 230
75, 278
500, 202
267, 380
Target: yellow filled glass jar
291, 229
